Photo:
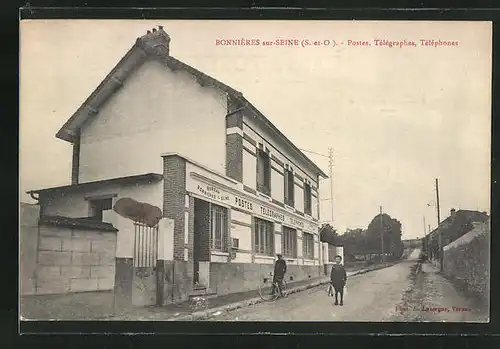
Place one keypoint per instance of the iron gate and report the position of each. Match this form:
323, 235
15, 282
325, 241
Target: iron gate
145, 245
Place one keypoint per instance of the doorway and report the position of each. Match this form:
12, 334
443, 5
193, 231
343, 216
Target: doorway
201, 238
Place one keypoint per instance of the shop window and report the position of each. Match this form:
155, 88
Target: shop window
307, 199
263, 172
218, 228
289, 242
289, 188
97, 207
308, 246
264, 237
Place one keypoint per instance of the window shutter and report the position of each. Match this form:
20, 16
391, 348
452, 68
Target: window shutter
260, 169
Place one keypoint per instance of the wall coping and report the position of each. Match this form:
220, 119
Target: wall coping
478, 230
191, 161
77, 223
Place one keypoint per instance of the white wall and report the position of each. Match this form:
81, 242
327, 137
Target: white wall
156, 111
277, 186
74, 205
299, 244
242, 258
277, 237
316, 249
166, 240
218, 176
264, 260
339, 251
314, 207
243, 234
299, 198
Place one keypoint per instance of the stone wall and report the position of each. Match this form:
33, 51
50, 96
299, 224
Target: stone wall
226, 278
178, 281
467, 261
177, 285
28, 242
74, 260
144, 287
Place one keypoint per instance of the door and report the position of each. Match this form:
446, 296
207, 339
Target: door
200, 236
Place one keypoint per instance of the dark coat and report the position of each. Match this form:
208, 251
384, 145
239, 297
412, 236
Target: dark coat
338, 276
280, 268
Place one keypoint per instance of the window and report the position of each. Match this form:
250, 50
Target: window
308, 246
236, 243
307, 199
289, 242
263, 172
289, 188
97, 207
264, 237
218, 228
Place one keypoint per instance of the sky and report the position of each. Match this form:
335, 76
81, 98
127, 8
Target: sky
396, 117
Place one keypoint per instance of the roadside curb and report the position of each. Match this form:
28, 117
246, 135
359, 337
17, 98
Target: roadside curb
201, 315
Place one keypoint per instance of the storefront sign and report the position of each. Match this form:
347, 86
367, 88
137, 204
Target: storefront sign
219, 195
213, 193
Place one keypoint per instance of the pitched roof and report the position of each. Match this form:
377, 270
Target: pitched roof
155, 45
458, 224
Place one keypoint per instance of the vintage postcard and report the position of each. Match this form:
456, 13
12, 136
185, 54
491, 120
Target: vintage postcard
184, 170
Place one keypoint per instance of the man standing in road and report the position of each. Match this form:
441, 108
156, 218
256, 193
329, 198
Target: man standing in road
338, 278
279, 272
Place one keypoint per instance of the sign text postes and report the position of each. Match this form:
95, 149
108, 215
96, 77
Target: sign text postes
217, 194
242, 203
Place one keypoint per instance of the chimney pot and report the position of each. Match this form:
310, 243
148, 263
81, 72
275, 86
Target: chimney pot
160, 27
149, 32
154, 29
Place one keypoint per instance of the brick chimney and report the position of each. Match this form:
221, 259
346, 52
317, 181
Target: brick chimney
156, 39
452, 212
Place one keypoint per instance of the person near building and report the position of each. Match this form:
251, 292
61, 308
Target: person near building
338, 278
279, 272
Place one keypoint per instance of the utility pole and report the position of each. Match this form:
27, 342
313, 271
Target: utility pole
425, 236
382, 235
330, 166
440, 235
429, 243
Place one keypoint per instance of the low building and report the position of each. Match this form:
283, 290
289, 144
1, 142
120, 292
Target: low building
234, 191
412, 243
457, 224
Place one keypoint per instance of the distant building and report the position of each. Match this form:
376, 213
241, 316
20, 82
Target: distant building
412, 243
453, 227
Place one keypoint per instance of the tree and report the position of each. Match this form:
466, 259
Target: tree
353, 241
390, 230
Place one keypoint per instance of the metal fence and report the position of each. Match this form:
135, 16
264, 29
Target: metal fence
145, 245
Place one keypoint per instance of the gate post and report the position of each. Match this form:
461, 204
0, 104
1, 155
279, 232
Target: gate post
165, 254
326, 257
124, 268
